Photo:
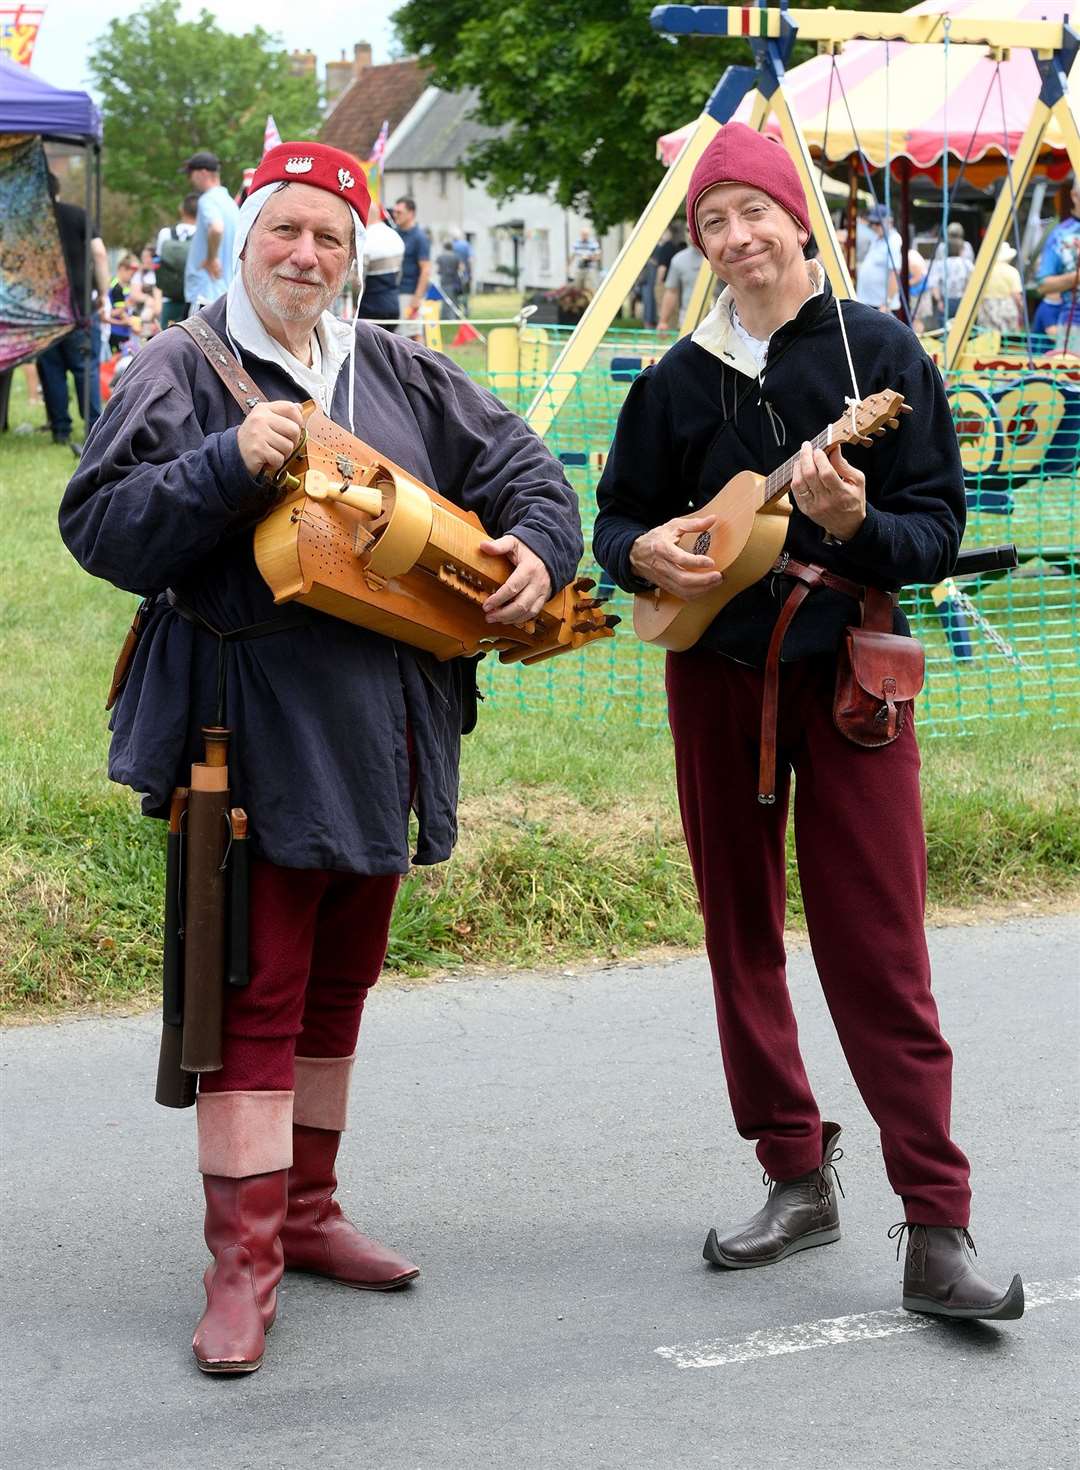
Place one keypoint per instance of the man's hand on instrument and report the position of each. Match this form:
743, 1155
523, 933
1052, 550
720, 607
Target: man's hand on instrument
829, 491
658, 558
268, 436
526, 589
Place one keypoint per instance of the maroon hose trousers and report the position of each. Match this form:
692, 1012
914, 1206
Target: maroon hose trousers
861, 853
318, 941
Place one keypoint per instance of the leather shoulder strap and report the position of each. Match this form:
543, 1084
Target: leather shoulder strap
878, 610
222, 361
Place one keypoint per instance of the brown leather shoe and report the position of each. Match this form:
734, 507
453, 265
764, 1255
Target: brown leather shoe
316, 1235
798, 1214
940, 1277
243, 1219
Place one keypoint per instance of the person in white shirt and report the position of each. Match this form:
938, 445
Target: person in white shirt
876, 282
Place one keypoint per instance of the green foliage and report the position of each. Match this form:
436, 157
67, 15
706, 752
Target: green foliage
169, 88
583, 89
586, 88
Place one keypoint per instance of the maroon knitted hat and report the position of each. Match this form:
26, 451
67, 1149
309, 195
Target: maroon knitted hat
739, 155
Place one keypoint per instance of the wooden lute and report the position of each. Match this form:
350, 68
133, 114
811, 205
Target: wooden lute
751, 513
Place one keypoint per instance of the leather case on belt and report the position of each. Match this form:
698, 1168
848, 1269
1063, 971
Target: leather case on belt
878, 675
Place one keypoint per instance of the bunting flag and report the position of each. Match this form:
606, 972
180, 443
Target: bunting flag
19, 26
373, 165
379, 150
271, 136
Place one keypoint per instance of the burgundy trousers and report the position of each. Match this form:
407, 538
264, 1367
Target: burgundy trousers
861, 852
318, 941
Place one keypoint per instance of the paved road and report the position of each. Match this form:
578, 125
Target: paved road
552, 1149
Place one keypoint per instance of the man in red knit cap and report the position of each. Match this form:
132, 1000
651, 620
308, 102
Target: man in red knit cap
337, 731
776, 361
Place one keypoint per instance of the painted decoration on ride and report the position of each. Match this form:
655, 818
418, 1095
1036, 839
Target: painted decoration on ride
1023, 429
19, 26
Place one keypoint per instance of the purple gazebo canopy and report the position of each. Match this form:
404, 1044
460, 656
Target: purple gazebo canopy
30, 105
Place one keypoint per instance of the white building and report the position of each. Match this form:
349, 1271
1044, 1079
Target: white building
423, 160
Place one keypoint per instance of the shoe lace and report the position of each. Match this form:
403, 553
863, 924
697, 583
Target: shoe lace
830, 1166
820, 1177
897, 1231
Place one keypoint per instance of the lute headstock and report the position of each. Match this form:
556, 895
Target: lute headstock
868, 419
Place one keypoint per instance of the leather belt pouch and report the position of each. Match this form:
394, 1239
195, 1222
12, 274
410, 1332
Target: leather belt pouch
878, 675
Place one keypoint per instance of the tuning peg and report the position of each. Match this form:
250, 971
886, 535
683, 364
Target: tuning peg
584, 584
611, 621
879, 433
864, 440
905, 408
894, 423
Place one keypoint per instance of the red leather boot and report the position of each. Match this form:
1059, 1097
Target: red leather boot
316, 1235
243, 1221
245, 1146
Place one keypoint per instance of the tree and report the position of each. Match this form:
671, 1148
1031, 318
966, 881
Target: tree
580, 91
169, 88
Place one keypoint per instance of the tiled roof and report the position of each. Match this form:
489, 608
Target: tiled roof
378, 93
442, 135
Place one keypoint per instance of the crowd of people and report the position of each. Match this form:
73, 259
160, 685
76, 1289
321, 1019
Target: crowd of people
190, 265
936, 282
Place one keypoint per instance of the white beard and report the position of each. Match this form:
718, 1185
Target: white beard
290, 303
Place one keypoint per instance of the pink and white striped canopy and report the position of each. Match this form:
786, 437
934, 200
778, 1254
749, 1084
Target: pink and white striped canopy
912, 102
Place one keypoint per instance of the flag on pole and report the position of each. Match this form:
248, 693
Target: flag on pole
271, 136
245, 186
373, 165
19, 26
379, 150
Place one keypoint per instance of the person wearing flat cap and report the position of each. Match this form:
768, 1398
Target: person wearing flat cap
777, 360
337, 732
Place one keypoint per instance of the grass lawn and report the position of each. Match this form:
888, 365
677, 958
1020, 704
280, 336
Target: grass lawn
570, 844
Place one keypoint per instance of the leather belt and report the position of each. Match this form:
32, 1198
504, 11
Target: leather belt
808, 577
292, 618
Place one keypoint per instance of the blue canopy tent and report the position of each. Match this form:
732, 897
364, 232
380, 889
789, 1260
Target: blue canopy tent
31, 113
29, 105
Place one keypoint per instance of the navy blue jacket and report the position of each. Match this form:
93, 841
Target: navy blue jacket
319, 758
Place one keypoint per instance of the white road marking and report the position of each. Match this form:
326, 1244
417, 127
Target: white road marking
835, 1331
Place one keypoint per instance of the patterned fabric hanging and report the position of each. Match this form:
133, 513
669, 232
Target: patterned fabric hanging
35, 295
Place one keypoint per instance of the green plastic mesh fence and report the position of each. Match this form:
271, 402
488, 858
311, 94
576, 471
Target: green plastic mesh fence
997, 646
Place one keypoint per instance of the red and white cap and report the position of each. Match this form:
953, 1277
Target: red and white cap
320, 167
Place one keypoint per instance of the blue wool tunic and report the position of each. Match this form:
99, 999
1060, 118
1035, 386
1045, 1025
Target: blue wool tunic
319, 711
